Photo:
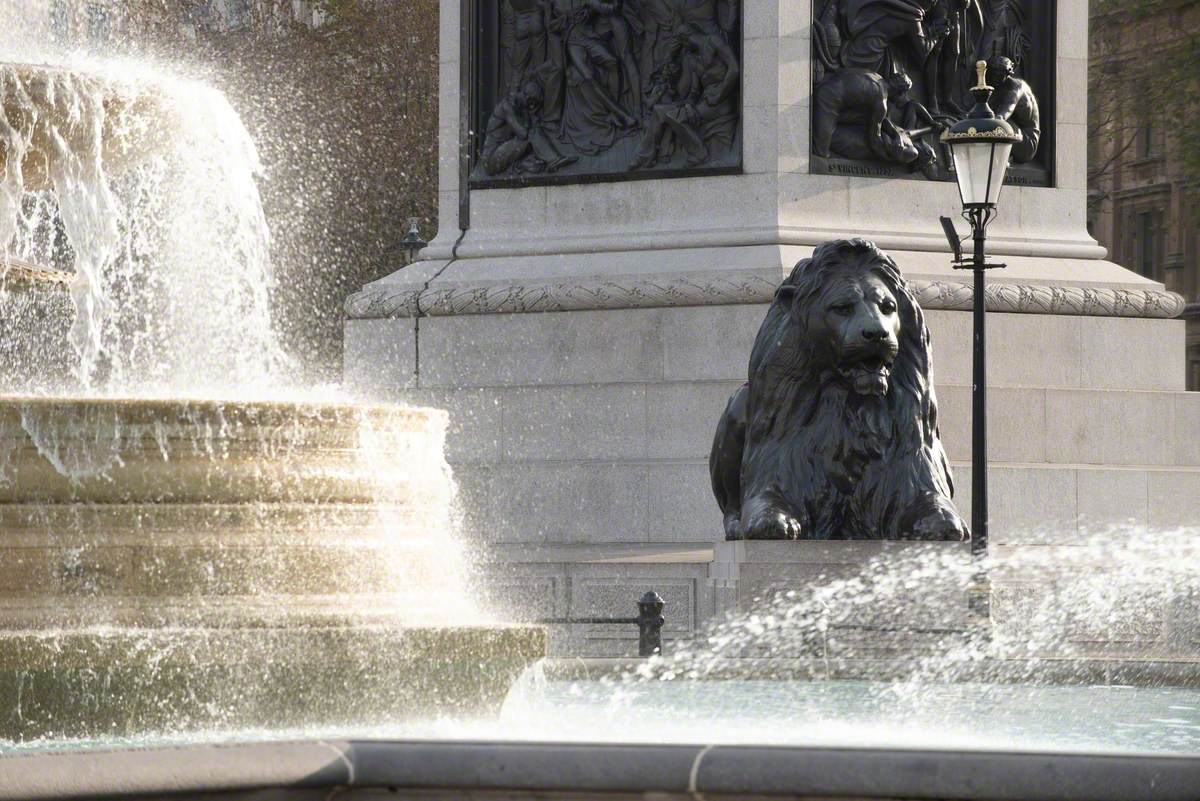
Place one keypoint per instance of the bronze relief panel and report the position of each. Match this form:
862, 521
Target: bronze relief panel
577, 90
890, 75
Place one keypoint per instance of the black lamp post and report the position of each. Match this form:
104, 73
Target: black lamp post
980, 145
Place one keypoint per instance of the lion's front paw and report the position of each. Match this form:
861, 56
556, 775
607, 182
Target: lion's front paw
772, 524
733, 525
936, 521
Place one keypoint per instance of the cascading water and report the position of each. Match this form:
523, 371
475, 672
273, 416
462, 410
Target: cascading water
143, 185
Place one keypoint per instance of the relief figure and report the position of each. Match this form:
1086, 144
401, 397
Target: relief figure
658, 21
1013, 100
515, 138
703, 117
944, 67
592, 119
595, 86
875, 27
851, 117
1005, 33
888, 75
524, 24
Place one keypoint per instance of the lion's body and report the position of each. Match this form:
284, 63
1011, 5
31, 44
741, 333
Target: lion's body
813, 457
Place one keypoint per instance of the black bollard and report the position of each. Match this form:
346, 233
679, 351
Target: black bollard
650, 621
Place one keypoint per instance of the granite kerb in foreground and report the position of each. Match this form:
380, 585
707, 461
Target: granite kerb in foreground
588, 770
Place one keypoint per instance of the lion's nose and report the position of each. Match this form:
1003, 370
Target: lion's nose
874, 334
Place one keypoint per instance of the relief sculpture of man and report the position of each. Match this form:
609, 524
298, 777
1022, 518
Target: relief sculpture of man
876, 26
592, 117
525, 26
1013, 100
515, 137
852, 117
704, 116
944, 67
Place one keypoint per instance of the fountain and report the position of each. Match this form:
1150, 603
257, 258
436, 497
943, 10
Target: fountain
175, 563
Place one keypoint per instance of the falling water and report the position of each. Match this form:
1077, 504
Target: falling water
143, 186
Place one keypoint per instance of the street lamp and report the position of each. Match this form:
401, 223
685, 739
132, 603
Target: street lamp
980, 145
412, 243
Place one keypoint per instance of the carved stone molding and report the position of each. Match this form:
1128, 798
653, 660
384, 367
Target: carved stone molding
724, 289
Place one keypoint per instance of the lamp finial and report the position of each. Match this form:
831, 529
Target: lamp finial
981, 71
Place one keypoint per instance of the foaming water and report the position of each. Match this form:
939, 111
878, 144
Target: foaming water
1051, 605
143, 186
832, 714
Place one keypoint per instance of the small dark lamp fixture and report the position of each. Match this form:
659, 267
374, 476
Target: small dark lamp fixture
980, 144
412, 243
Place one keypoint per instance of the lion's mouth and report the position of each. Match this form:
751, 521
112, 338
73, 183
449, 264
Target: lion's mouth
869, 375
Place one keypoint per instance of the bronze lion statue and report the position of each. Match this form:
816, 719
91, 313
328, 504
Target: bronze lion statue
834, 435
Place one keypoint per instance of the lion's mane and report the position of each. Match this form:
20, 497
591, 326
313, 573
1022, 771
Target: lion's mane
845, 465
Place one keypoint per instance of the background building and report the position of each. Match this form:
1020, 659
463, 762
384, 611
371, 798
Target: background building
1144, 155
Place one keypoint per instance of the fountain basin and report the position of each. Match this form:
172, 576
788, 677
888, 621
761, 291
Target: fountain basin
122, 682
183, 565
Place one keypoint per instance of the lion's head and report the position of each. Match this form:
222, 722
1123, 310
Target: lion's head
850, 318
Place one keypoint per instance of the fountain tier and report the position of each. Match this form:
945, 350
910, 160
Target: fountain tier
173, 565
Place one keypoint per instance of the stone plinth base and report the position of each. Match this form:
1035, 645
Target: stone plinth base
751, 573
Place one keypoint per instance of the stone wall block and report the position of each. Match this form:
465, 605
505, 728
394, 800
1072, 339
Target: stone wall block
1187, 429
474, 433
682, 417
575, 423
1016, 423
552, 348
710, 342
1131, 353
1109, 428
682, 506
1112, 498
1174, 499
380, 357
561, 502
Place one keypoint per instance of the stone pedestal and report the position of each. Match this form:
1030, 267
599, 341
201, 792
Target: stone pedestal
585, 338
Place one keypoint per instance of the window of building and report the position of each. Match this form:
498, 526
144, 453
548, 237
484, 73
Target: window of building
98, 24
1145, 235
60, 21
1141, 241
237, 13
1146, 141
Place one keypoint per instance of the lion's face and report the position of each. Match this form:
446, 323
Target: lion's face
855, 320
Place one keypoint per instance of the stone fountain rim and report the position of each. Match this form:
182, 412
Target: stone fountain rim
222, 404
443, 769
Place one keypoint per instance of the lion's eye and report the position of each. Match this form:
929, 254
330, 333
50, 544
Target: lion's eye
887, 306
843, 309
